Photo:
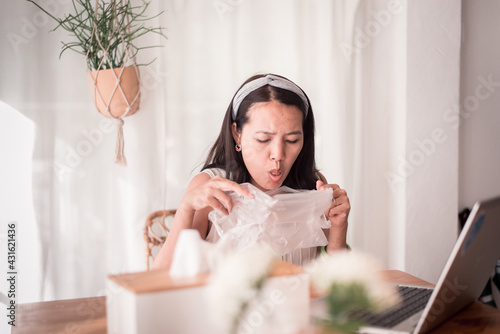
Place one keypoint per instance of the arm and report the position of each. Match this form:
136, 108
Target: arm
337, 213
202, 196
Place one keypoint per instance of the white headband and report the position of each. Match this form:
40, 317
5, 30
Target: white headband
271, 80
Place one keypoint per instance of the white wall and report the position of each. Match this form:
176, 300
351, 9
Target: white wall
405, 79
452, 100
17, 139
480, 115
431, 144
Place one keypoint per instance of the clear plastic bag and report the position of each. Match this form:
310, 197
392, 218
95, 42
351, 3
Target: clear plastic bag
285, 219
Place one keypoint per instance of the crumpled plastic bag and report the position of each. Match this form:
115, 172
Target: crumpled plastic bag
285, 219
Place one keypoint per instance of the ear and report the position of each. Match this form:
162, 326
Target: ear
236, 133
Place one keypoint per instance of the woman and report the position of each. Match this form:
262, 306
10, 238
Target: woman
267, 139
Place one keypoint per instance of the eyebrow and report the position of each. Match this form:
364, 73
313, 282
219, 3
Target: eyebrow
273, 133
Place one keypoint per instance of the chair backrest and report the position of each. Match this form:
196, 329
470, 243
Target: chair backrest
156, 230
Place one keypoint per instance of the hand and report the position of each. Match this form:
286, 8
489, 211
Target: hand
204, 193
338, 211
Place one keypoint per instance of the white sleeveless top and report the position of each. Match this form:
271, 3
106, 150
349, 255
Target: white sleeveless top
298, 257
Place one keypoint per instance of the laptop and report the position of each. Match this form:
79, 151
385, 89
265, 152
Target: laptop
464, 277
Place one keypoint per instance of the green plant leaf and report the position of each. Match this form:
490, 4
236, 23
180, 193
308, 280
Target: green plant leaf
112, 26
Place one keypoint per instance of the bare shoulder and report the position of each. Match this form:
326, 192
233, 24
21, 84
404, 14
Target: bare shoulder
199, 179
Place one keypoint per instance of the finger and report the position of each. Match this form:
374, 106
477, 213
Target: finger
342, 209
224, 199
337, 216
339, 193
215, 204
340, 197
332, 205
331, 186
342, 200
319, 185
334, 186
228, 185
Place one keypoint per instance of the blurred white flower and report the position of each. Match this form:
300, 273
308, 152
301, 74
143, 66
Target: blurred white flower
236, 281
347, 268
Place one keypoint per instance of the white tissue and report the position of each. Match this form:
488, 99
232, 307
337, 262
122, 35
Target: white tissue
191, 255
284, 219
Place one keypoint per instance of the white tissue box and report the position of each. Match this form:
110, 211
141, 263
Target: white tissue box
153, 302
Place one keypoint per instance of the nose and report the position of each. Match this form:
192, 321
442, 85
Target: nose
278, 151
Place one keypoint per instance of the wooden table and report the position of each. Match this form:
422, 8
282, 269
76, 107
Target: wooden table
88, 315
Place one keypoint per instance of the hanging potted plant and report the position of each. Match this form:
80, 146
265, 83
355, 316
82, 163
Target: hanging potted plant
106, 33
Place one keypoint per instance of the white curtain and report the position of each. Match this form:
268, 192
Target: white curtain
90, 212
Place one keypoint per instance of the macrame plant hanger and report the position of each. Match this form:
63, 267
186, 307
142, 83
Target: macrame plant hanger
115, 91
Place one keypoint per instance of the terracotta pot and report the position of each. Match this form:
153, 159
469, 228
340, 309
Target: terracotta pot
104, 92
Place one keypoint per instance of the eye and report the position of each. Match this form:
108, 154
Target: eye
292, 141
263, 141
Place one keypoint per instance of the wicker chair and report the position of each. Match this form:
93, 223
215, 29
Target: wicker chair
156, 230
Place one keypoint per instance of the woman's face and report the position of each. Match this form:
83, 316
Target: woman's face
270, 142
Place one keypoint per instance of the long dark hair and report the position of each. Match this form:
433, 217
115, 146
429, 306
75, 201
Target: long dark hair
303, 174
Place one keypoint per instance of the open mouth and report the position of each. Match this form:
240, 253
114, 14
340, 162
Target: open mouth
275, 175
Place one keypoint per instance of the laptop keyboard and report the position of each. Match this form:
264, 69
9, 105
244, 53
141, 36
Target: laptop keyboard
414, 299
